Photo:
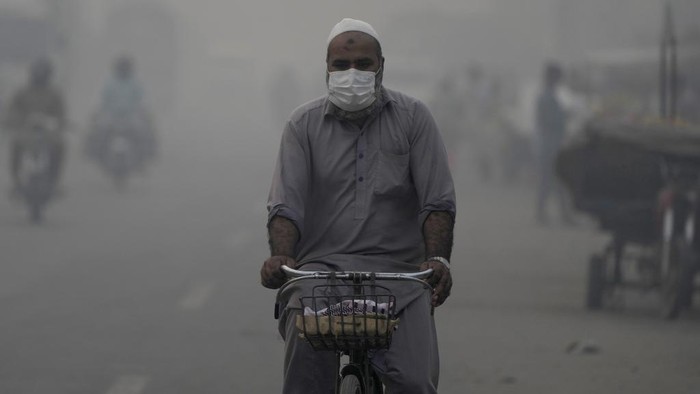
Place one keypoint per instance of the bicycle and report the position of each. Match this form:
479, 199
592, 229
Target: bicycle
349, 313
679, 261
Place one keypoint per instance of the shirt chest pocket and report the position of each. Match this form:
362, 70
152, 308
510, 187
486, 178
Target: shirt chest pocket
393, 176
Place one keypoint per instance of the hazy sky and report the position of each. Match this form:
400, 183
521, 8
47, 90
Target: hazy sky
232, 42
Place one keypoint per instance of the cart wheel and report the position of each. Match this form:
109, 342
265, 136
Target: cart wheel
596, 282
350, 385
677, 279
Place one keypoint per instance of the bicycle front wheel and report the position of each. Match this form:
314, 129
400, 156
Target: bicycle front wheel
350, 385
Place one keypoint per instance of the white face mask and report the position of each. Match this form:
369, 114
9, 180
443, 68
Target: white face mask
351, 90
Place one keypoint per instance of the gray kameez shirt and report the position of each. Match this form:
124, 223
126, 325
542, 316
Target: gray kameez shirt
359, 196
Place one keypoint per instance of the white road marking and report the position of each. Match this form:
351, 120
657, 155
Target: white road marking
129, 384
197, 296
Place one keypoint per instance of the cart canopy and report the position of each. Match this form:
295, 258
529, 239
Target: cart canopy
615, 168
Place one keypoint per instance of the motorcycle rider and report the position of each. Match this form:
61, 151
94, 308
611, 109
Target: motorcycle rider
123, 101
123, 93
38, 97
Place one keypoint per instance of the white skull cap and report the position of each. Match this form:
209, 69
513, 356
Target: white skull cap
349, 24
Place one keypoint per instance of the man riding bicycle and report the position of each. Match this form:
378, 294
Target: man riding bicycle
362, 183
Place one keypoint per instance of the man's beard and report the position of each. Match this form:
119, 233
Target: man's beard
353, 116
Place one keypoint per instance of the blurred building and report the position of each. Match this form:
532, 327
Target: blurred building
597, 25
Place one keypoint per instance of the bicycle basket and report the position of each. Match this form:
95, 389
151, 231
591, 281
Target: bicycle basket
363, 319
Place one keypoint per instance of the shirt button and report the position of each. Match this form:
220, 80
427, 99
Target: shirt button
361, 179
361, 155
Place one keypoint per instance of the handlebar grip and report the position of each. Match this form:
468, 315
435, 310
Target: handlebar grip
292, 273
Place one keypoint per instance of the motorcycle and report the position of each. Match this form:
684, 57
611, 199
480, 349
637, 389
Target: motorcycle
36, 183
118, 145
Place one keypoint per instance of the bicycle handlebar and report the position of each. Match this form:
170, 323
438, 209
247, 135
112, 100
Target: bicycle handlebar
292, 273
297, 275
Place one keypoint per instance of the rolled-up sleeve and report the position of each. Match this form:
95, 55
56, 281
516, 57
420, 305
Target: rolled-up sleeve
290, 179
430, 166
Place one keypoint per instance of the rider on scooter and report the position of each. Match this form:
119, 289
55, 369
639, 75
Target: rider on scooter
38, 97
123, 105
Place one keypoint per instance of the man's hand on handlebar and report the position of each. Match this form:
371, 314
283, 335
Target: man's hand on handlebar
440, 280
271, 275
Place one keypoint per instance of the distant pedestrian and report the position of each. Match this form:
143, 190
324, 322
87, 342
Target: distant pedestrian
551, 121
482, 121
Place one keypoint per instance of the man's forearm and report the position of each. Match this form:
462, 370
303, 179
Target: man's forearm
438, 231
283, 237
